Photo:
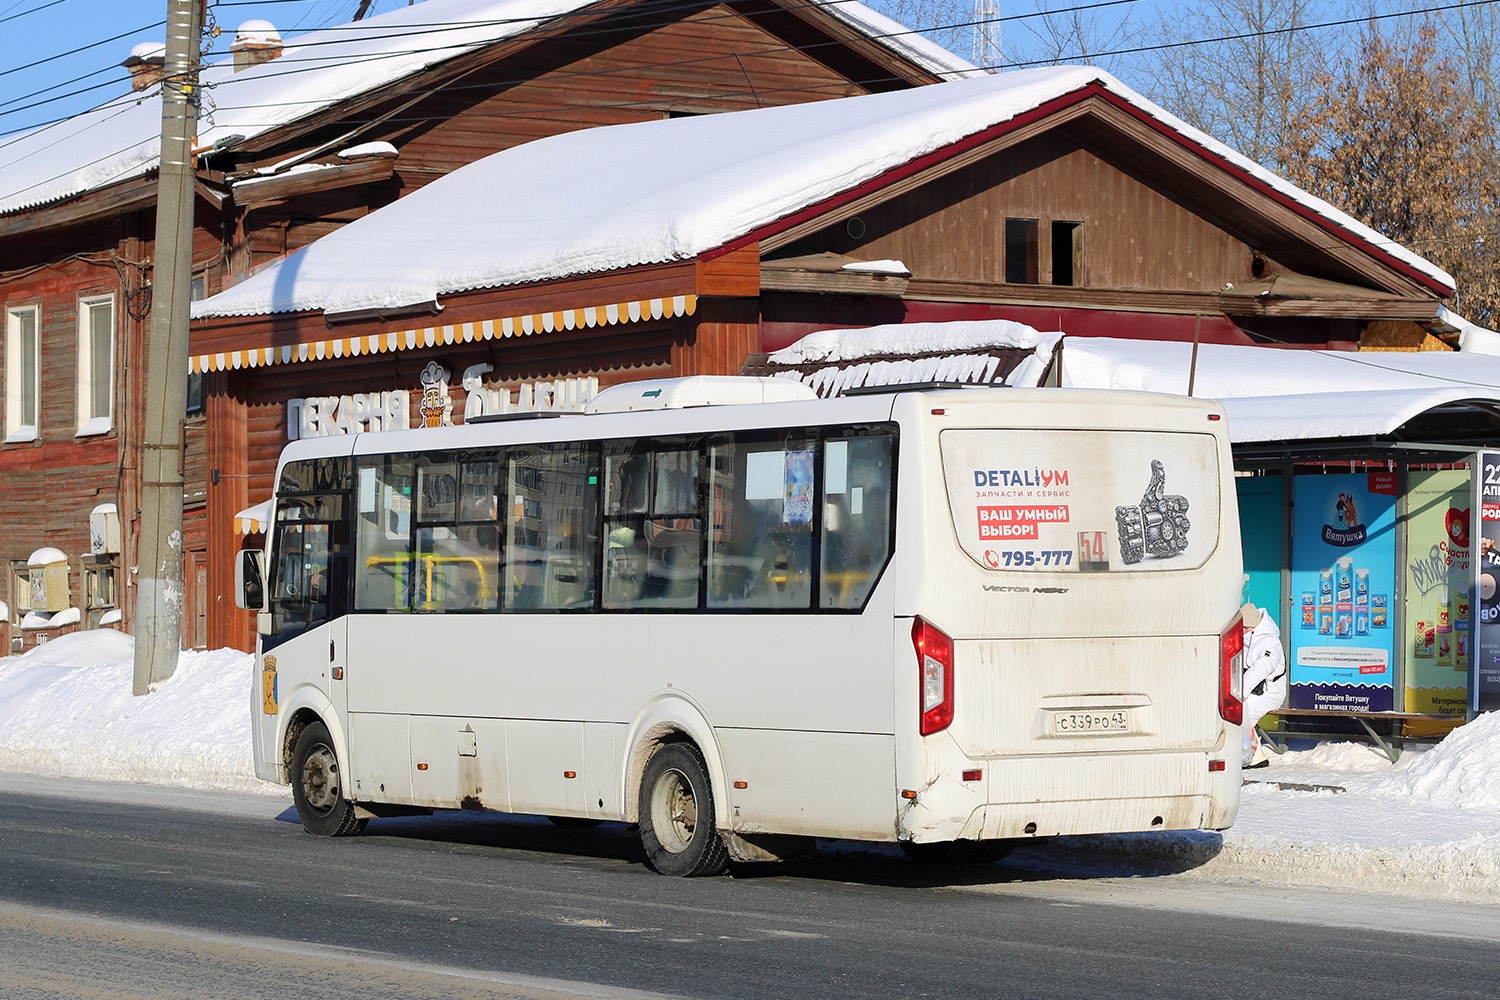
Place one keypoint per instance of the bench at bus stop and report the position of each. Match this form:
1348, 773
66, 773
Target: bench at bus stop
1390, 743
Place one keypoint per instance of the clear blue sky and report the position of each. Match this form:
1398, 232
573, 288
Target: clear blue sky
63, 56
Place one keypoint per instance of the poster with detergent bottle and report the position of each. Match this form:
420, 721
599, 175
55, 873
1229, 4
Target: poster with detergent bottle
1343, 584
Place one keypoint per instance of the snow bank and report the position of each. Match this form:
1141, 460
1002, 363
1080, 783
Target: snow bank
66, 709
1463, 771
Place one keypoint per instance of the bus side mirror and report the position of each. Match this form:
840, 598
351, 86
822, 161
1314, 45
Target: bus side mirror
249, 577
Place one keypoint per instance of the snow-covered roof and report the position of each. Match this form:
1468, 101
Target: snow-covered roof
981, 352
121, 139
1272, 394
600, 199
902, 40
1472, 338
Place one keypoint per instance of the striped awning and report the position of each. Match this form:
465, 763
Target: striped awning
637, 311
253, 519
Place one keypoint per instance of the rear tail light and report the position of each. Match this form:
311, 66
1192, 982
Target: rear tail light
1232, 672
935, 671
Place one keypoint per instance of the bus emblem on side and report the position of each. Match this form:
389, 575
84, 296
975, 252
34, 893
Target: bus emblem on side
268, 685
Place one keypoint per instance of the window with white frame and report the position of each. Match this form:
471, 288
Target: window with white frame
96, 355
22, 372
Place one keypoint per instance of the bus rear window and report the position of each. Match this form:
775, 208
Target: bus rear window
1083, 501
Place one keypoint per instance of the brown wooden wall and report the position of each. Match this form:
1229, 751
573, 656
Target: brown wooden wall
49, 486
1134, 237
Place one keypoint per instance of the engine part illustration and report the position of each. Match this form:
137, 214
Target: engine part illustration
1157, 526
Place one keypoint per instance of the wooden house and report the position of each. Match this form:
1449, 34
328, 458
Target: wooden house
1059, 198
296, 141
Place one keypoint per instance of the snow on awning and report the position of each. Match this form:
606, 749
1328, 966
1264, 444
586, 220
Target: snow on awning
253, 519
981, 352
1329, 415
1272, 394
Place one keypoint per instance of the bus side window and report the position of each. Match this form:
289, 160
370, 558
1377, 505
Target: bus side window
457, 556
552, 535
760, 517
383, 565
653, 534
856, 518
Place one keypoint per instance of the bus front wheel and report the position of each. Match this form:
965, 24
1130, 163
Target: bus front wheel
677, 814
318, 786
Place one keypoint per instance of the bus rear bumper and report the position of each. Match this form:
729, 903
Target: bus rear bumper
1022, 797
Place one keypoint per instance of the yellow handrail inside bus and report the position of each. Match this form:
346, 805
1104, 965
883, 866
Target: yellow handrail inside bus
433, 580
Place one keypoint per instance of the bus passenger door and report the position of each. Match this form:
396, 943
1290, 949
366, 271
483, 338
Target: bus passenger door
308, 604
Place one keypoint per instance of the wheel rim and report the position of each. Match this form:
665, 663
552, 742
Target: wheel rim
320, 779
674, 811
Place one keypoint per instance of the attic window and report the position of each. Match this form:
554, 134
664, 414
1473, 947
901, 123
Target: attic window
1067, 253
1021, 251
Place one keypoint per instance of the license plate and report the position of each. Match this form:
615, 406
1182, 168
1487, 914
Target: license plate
1083, 723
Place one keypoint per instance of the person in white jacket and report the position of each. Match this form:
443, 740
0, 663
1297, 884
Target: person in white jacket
1265, 678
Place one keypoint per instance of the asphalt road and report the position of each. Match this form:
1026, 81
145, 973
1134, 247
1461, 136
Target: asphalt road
119, 892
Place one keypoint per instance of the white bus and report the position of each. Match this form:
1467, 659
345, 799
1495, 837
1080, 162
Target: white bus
948, 618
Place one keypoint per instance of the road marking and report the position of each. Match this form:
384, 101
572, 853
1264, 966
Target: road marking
94, 958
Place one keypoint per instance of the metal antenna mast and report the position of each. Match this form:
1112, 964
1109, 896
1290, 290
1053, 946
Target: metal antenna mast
987, 52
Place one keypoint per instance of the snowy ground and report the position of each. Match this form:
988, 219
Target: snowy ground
1428, 825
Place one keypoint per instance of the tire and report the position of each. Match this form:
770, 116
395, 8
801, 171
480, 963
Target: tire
957, 852
677, 824
318, 788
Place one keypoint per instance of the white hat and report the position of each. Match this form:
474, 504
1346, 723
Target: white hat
1251, 614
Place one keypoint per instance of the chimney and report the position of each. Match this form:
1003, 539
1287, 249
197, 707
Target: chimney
147, 65
254, 43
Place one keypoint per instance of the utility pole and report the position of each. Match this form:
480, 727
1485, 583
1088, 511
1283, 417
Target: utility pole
158, 606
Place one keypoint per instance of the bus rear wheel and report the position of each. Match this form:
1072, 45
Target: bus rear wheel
677, 824
318, 786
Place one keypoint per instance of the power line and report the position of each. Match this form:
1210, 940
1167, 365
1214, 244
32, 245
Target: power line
559, 22
33, 10
1247, 35
83, 48
55, 86
550, 28
542, 30
555, 24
